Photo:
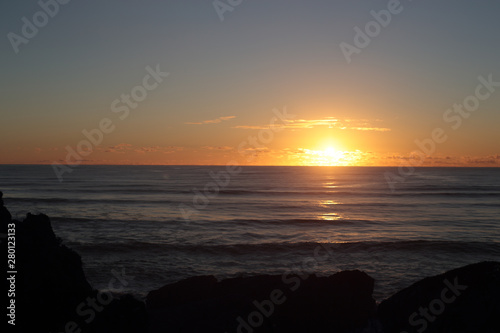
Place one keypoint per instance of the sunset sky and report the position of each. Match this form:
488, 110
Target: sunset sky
228, 80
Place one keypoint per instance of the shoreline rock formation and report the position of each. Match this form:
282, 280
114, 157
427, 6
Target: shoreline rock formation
466, 299
53, 295
51, 291
264, 303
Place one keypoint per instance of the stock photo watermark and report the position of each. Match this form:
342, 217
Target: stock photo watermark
436, 307
31, 27
11, 272
454, 117
223, 6
90, 308
292, 280
372, 29
120, 106
223, 178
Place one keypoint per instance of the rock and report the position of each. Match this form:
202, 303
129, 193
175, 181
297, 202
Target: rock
51, 285
5, 216
265, 303
462, 300
182, 292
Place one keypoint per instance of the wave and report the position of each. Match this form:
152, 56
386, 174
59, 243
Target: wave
330, 194
490, 188
456, 247
87, 201
213, 223
288, 222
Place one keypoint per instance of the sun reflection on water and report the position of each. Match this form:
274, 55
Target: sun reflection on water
328, 203
329, 216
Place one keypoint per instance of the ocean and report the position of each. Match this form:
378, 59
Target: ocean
159, 224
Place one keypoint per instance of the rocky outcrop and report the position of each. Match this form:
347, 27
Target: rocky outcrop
265, 303
462, 300
51, 291
5, 216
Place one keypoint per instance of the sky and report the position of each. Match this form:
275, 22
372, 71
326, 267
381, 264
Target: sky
257, 82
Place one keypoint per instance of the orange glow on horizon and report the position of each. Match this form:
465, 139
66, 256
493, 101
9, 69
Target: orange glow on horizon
328, 157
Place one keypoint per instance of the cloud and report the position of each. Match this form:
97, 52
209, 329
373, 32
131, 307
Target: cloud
481, 160
256, 152
212, 121
217, 148
119, 148
171, 149
123, 148
416, 160
378, 129
158, 149
142, 150
311, 123
330, 122
251, 127
227, 118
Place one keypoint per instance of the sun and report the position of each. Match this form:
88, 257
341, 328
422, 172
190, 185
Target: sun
332, 152
329, 156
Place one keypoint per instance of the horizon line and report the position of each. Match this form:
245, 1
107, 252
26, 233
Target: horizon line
264, 165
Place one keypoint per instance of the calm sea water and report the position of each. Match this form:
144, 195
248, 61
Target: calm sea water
263, 220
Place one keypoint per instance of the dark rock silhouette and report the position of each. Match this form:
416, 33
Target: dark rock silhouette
5, 216
265, 303
466, 299
50, 285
